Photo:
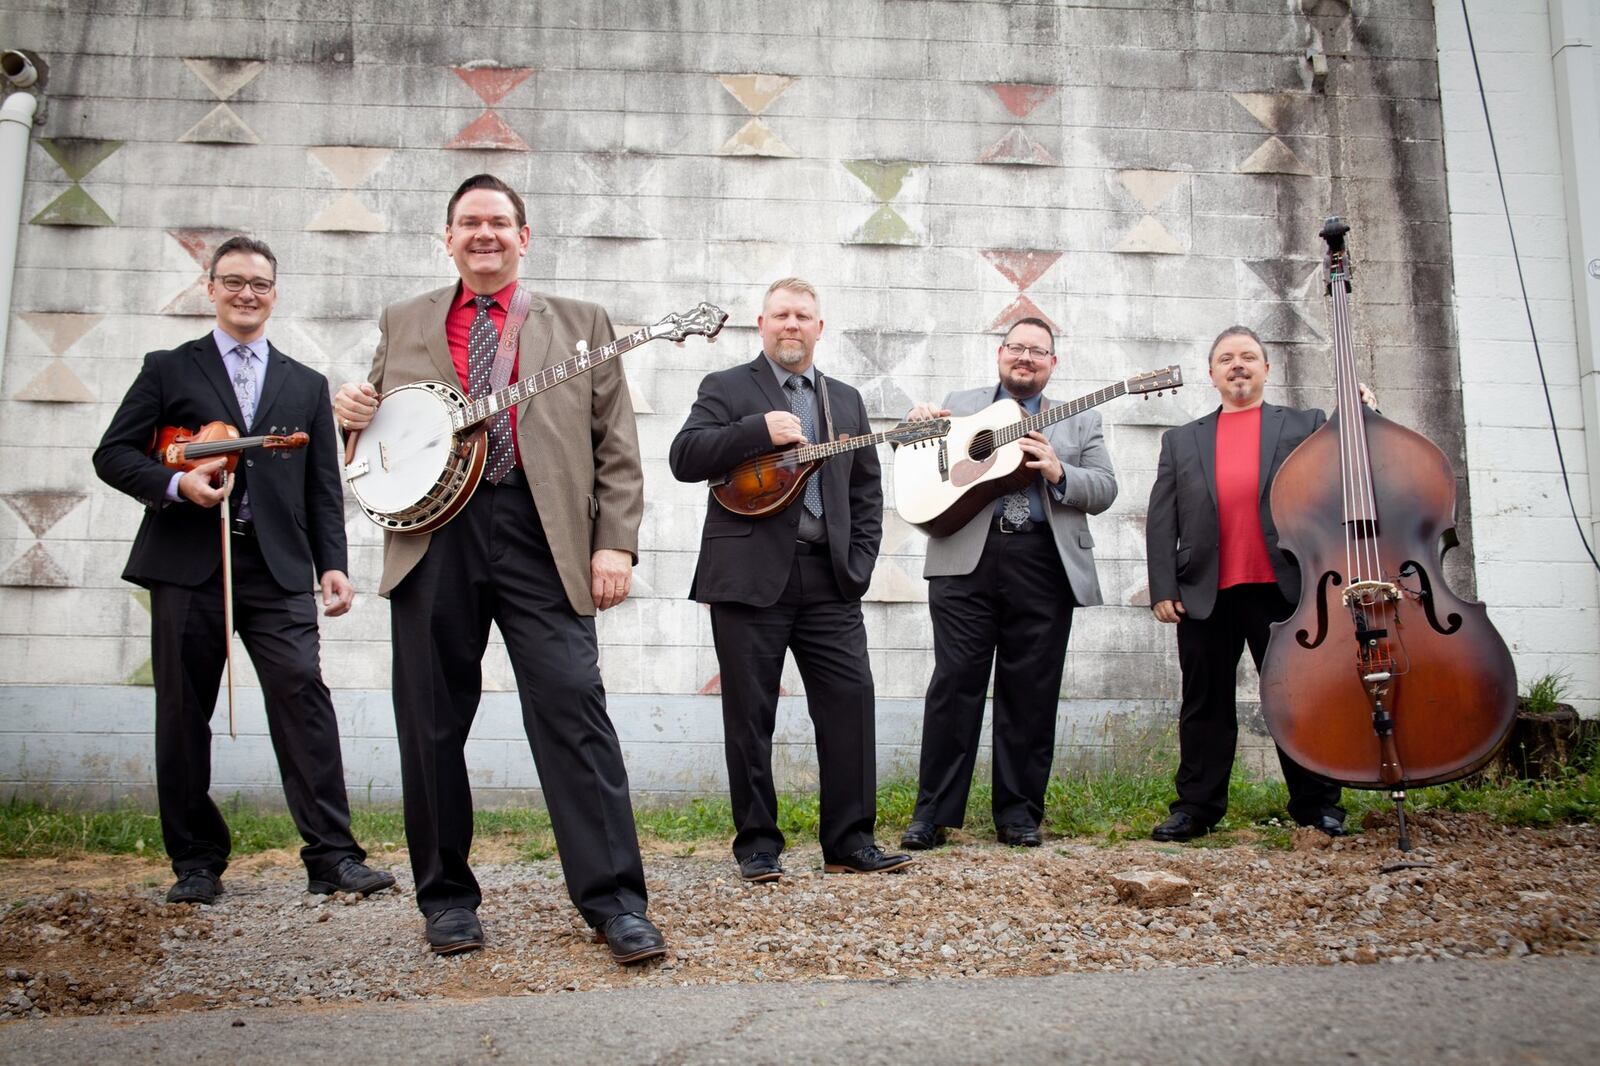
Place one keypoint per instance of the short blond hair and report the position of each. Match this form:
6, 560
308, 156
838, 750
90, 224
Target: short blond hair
794, 285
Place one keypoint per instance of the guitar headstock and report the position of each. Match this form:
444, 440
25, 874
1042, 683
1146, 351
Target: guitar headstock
705, 320
1155, 381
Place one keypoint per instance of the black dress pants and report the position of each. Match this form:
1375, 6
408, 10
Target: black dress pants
189, 651
828, 636
1208, 724
492, 564
1012, 613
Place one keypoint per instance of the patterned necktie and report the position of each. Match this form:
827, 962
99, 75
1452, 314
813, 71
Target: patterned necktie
800, 404
244, 390
482, 341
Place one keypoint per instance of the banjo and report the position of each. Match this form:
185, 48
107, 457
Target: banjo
415, 466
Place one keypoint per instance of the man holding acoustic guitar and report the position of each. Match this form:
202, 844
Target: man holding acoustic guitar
538, 549
1002, 586
286, 535
790, 576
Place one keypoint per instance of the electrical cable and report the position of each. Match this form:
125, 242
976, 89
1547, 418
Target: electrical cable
1527, 305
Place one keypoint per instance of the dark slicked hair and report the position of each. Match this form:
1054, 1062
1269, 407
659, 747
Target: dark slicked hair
1031, 321
486, 181
1237, 331
243, 244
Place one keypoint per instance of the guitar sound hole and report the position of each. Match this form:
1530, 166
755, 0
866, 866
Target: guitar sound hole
982, 445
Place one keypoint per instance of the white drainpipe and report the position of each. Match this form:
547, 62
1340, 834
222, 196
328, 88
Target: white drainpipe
16, 124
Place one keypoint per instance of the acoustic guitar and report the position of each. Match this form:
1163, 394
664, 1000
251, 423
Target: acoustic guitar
942, 481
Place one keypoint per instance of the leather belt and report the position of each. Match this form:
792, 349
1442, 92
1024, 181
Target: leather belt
1028, 525
243, 527
514, 479
806, 547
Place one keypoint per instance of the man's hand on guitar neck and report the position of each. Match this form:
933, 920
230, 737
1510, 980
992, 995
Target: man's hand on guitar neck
1042, 457
924, 411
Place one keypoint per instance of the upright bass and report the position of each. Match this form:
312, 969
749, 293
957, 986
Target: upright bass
1382, 678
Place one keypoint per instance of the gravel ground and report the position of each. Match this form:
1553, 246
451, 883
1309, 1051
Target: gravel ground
1470, 890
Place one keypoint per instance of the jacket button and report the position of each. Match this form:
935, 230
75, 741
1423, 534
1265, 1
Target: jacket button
249, 462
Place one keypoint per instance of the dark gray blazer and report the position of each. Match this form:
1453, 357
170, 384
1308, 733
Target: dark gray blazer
747, 560
1182, 537
296, 497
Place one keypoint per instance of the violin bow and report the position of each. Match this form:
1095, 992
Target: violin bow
227, 599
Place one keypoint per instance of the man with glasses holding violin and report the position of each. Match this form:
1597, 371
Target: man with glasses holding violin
1001, 590
287, 536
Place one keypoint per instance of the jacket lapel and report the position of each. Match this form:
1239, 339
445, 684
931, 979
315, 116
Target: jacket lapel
768, 384
1205, 437
534, 350
277, 372
209, 360
434, 338
1271, 429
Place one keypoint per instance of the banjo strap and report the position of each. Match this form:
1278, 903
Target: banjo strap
506, 354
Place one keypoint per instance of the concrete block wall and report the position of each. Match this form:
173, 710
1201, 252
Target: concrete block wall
1543, 591
1141, 177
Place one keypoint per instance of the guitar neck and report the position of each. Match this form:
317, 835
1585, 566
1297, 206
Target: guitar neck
1061, 411
487, 407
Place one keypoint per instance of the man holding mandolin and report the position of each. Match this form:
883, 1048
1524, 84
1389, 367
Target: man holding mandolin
537, 550
790, 579
1001, 589
287, 532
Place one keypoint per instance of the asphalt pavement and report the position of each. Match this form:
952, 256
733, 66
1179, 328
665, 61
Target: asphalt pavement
1530, 1010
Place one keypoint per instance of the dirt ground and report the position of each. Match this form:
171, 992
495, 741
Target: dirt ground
91, 935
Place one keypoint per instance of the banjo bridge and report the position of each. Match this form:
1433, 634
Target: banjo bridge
383, 455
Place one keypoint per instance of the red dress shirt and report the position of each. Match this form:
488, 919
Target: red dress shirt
1243, 556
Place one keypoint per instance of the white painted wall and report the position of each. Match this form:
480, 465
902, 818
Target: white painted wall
1541, 588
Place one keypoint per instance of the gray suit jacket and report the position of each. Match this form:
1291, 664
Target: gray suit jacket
580, 448
1091, 486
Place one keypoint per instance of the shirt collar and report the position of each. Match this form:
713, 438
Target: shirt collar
465, 296
782, 372
226, 344
1030, 405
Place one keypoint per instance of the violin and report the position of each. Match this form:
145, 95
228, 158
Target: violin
1382, 678
185, 449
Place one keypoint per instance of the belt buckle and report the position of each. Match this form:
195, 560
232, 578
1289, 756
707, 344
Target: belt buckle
1005, 527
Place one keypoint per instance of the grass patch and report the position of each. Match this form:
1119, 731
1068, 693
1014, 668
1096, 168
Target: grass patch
1106, 804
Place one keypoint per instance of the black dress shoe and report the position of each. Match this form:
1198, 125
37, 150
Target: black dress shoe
1019, 836
762, 866
1180, 825
632, 937
351, 875
1330, 824
920, 836
868, 860
453, 930
196, 886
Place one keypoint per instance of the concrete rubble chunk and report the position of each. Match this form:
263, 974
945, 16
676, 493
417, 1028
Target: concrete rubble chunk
1151, 888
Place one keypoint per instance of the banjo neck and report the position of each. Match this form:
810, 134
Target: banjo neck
487, 407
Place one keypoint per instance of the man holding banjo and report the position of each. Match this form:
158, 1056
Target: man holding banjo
537, 551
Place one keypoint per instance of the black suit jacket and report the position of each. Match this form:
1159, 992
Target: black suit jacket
296, 499
1182, 535
747, 560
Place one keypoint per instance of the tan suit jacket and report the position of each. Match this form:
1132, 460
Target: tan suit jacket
578, 441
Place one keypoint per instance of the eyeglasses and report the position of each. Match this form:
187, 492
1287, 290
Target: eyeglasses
234, 283
1017, 351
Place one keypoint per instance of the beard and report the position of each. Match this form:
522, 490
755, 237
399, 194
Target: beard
1023, 390
790, 353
